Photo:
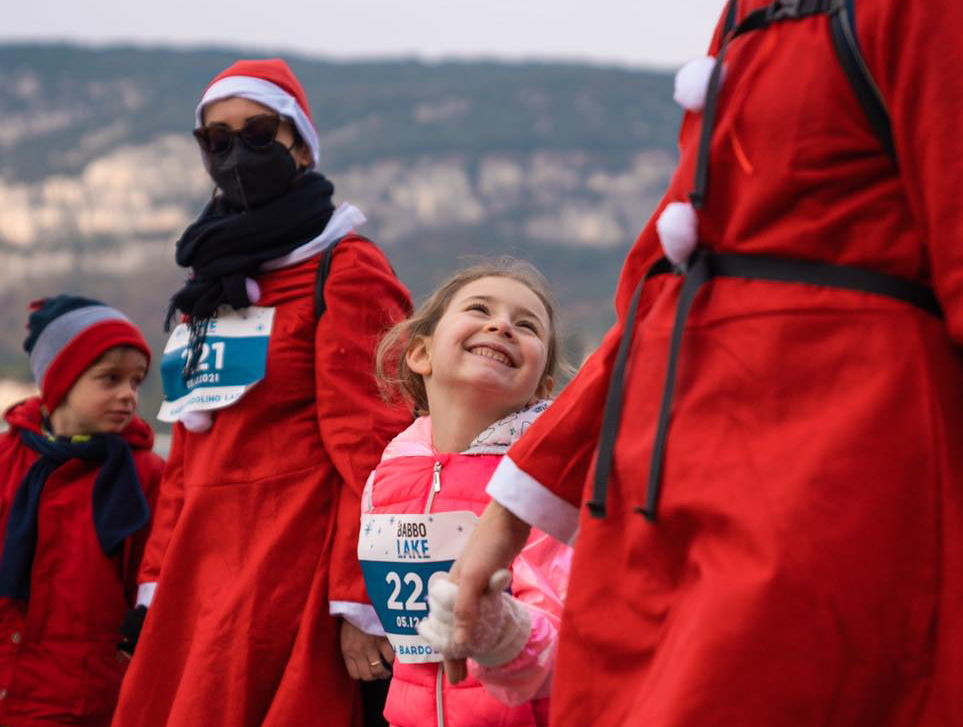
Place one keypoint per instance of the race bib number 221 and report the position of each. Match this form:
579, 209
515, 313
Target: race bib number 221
232, 360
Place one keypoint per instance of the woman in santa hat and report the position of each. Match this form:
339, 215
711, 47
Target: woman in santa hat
250, 577
761, 468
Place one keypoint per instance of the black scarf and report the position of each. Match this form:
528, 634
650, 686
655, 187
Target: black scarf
119, 506
225, 245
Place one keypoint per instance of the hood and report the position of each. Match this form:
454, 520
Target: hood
415, 441
26, 415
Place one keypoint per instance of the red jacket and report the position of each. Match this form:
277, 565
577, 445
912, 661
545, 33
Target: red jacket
806, 566
58, 651
258, 521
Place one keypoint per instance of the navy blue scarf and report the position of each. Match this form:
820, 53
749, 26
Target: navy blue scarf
120, 508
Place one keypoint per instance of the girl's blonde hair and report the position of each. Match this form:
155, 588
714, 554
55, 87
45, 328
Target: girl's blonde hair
391, 368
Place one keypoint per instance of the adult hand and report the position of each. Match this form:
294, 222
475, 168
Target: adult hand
502, 628
366, 657
499, 537
130, 630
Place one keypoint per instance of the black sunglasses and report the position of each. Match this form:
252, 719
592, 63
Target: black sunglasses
257, 133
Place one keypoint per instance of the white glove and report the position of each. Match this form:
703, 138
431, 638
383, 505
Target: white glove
501, 630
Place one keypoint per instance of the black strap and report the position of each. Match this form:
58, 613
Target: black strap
763, 17
845, 277
698, 194
779, 10
703, 266
842, 30
324, 269
731, 13
612, 413
840, 13
696, 276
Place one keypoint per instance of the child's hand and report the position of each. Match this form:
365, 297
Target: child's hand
366, 657
438, 628
500, 631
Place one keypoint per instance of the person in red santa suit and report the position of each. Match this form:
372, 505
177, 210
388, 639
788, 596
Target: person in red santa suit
250, 577
767, 443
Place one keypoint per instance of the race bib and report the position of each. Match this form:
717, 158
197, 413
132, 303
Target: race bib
232, 361
399, 555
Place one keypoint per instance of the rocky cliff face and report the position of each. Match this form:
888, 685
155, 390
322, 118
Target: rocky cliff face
127, 207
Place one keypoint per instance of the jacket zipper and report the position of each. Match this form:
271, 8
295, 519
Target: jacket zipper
435, 486
438, 698
439, 702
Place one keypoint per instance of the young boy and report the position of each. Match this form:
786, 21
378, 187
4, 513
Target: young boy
77, 483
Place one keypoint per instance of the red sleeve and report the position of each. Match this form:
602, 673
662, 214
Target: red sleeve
364, 298
558, 448
169, 500
914, 53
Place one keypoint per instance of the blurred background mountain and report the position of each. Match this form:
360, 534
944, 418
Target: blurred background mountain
560, 164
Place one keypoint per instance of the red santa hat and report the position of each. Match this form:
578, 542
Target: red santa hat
271, 83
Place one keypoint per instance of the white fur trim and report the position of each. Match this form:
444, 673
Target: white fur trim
361, 615
197, 421
345, 219
145, 594
529, 499
678, 228
692, 83
268, 94
253, 290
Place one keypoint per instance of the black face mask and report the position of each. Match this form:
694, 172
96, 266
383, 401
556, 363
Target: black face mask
249, 178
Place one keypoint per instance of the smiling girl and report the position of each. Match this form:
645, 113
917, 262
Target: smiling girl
476, 361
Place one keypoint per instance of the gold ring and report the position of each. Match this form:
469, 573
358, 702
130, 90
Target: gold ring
375, 663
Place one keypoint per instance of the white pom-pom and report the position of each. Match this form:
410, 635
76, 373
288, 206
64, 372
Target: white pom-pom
197, 421
678, 229
253, 290
692, 83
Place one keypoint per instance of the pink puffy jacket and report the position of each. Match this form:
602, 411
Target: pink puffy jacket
513, 694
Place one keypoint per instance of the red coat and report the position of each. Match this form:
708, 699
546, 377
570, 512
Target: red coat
807, 564
257, 527
58, 651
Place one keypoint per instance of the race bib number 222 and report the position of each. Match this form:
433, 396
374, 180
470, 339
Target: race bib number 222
400, 555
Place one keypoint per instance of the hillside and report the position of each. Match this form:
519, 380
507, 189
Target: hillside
557, 163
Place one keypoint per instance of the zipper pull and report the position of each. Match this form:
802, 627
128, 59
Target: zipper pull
435, 486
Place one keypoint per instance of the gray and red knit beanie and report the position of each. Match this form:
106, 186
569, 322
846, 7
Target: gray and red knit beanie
67, 334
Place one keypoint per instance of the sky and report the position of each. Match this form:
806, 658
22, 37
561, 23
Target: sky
634, 33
